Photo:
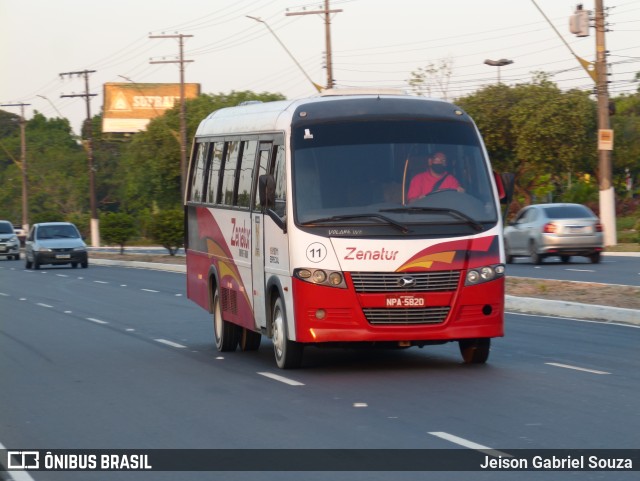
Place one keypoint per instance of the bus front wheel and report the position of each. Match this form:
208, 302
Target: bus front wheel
226, 333
288, 353
475, 351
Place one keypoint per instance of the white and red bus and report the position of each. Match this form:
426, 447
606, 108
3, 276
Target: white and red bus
298, 226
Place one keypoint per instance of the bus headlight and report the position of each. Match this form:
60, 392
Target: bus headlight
321, 277
484, 274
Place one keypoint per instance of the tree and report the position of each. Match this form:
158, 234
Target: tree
626, 152
543, 135
167, 229
424, 79
117, 228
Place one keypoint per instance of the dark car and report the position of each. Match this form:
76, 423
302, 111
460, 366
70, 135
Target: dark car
55, 243
562, 230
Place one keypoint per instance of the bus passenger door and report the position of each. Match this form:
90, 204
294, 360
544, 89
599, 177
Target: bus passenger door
257, 240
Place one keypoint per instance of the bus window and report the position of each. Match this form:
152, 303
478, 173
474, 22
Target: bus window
263, 164
280, 176
198, 176
245, 172
229, 172
214, 173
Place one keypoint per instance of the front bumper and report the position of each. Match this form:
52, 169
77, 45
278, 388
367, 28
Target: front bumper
72, 257
9, 249
472, 312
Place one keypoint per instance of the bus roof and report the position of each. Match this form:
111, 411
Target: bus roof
255, 117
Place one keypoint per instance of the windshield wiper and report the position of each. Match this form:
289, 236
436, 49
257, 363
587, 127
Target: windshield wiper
452, 212
389, 221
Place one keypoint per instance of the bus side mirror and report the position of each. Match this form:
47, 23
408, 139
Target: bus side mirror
267, 191
505, 183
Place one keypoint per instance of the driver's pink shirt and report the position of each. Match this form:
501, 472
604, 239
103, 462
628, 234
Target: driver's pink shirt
423, 183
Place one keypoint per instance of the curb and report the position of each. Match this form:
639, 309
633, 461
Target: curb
140, 265
593, 312
523, 305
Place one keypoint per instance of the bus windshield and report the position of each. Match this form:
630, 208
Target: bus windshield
360, 174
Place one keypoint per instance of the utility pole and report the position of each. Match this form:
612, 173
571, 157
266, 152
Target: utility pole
579, 25
327, 32
183, 111
95, 223
605, 170
23, 164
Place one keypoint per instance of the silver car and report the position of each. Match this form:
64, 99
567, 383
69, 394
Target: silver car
562, 230
55, 243
9, 243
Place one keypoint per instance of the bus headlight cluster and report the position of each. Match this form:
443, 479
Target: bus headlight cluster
479, 275
321, 277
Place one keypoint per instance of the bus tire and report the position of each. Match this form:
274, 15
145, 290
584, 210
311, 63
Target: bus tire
226, 333
475, 351
288, 353
249, 340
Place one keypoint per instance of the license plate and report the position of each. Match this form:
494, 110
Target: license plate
63, 256
3, 249
578, 229
405, 301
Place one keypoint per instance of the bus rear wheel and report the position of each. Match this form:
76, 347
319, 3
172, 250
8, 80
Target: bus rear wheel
288, 353
475, 351
249, 340
226, 333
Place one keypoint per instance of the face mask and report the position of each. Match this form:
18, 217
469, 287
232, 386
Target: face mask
438, 168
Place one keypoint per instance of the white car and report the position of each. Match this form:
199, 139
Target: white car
55, 243
21, 233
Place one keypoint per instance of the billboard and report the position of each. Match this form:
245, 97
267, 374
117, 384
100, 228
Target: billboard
128, 107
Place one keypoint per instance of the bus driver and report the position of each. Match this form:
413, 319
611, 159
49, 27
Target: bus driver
435, 178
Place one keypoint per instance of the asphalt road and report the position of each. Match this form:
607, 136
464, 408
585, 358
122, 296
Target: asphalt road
108, 358
612, 269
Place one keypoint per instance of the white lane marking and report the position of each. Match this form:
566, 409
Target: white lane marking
17, 475
469, 444
23, 298
576, 368
62, 275
580, 270
178, 295
43, 305
101, 282
97, 321
4, 294
283, 379
149, 290
68, 312
123, 285
170, 343
130, 330
360, 405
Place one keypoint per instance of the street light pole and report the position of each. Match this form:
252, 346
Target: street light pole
258, 19
498, 63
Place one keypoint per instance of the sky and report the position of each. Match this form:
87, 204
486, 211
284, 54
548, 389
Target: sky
375, 43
